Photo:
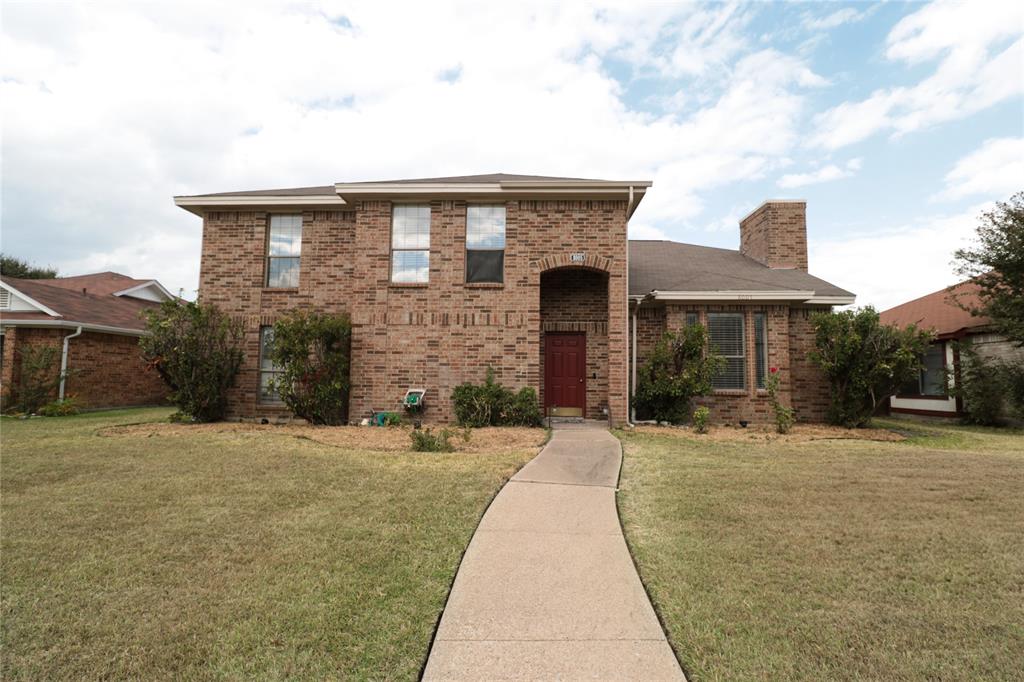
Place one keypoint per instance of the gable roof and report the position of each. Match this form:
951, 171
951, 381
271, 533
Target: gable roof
98, 306
706, 273
939, 311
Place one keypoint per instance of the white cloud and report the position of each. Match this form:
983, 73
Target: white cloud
981, 63
894, 265
823, 174
109, 110
846, 15
995, 170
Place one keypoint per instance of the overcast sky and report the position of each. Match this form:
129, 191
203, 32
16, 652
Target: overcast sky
897, 122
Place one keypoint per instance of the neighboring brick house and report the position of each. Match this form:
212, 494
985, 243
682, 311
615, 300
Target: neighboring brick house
531, 276
94, 322
941, 312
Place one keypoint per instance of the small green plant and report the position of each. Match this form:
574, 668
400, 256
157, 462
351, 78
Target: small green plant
425, 440
60, 408
391, 419
785, 416
701, 419
491, 404
680, 367
466, 433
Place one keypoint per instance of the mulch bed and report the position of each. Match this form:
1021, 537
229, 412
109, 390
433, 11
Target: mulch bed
801, 433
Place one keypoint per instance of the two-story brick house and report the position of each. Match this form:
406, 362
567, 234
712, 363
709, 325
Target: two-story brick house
531, 276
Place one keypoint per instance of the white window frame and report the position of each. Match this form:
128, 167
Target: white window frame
761, 382
271, 257
395, 209
267, 368
504, 231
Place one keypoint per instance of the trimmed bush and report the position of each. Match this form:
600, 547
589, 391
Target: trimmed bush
312, 351
196, 348
491, 404
679, 368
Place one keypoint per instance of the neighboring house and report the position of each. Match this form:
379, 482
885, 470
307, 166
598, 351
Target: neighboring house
939, 311
95, 323
531, 276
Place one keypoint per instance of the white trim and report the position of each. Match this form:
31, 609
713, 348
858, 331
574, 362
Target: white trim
736, 295
151, 283
196, 203
832, 300
31, 301
66, 324
64, 361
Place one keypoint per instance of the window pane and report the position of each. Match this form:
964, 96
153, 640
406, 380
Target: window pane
933, 376
485, 227
725, 331
691, 319
283, 272
410, 227
285, 235
268, 371
266, 348
760, 349
485, 266
268, 392
410, 266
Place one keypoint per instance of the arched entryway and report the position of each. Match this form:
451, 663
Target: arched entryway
574, 342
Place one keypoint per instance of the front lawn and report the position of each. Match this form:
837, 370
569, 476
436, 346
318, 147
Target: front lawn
833, 559
169, 553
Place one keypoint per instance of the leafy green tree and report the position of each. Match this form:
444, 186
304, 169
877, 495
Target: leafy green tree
996, 265
679, 368
313, 352
982, 385
865, 361
196, 348
11, 266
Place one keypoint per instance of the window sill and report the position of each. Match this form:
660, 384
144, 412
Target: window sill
408, 285
911, 396
729, 391
280, 290
484, 285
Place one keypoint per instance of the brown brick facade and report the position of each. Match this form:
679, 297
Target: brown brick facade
775, 234
790, 338
105, 370
446, 332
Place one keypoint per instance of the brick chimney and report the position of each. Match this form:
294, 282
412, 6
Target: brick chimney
775, 234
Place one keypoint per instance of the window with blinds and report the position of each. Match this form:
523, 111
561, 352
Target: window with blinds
691, 319
284, 249
725, 332
485, 244
410, 243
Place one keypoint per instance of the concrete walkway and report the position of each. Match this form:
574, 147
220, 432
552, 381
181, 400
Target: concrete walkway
547, 589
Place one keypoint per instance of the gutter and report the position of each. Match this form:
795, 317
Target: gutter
64, 362
63, 324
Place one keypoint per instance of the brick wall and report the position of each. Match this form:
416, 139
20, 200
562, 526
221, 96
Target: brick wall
434, 336
105, 370
775, 234
789, 337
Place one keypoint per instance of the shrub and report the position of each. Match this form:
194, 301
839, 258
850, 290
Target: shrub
865, 361
60, 408
679, 368
701, 419
391, 419
1013, 374
425, 440
982, 385
491, 404
312, 351
785, 416
196, 348
38, 377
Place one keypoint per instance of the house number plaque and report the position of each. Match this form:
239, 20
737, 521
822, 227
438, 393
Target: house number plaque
578, 257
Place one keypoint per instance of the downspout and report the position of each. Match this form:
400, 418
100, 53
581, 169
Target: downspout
632, 390
64, 361
630, 410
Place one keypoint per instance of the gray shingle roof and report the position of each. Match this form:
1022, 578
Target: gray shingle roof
671, 266
329, 189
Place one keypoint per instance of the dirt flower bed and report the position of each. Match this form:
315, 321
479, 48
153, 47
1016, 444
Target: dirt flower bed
801, 433
383, 439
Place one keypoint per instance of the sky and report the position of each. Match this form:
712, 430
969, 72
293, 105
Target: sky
898, 123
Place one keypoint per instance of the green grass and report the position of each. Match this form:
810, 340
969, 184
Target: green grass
834, 560
225, 555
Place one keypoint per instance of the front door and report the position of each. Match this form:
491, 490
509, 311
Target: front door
565, 373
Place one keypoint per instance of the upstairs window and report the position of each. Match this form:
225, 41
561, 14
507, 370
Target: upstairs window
726, 333
284, 245
760, 349
485, 244
410, 243
269, 372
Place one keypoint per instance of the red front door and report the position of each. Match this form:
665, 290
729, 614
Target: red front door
565, 373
